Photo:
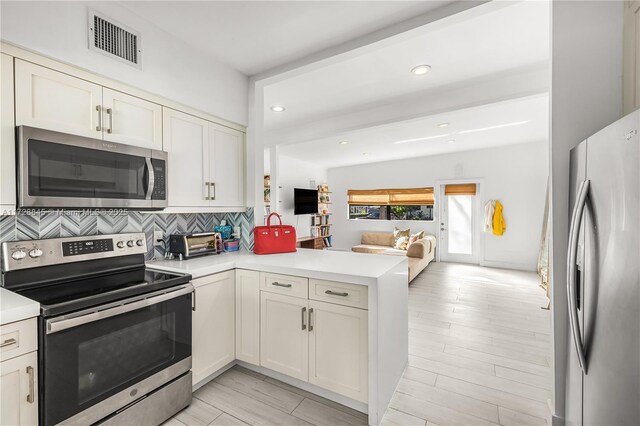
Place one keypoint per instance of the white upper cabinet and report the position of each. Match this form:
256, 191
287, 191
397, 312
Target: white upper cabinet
52, 100
186, 139
227, 166
206, 162
130, 120
7, 138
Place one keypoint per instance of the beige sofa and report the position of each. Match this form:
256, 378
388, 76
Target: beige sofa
420, 253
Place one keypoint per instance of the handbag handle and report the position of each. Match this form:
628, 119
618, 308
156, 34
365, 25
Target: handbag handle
276, 215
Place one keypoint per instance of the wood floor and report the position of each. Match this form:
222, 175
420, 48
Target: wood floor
479, 354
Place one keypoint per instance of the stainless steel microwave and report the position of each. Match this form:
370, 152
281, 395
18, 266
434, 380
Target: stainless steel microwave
58, 170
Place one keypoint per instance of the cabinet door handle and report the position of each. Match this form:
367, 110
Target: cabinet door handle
8, 342
336, 293
310, 324
99, 126
277, 284
110, 114
208, 185
30, 397
213, 184
304, 326
193, 308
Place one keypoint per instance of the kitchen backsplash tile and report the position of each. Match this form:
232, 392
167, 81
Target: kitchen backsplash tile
45, 224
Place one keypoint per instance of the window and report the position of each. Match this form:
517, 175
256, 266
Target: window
391, 204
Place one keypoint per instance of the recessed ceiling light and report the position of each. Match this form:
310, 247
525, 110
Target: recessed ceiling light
451, 141
343, 142
499, 126
443, 124
421, 139
277, 108
420, 69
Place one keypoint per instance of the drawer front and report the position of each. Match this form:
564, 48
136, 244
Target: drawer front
285, 284
339, 293
18, 338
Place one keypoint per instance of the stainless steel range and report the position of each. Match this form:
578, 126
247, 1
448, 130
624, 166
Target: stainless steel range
114, 337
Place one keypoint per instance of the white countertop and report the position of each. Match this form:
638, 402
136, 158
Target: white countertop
356, 268
14, 307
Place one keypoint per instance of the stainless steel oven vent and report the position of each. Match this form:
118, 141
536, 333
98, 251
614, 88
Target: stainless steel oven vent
115, 40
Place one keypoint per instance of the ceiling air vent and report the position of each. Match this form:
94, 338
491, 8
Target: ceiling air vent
115, 40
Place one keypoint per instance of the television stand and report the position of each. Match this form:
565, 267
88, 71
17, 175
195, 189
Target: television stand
317, 243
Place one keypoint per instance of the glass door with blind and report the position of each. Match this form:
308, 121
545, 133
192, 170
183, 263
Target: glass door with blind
458, 232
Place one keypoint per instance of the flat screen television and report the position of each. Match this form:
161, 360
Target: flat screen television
305, 201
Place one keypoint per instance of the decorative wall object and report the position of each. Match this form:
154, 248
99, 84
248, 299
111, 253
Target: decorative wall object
45, 224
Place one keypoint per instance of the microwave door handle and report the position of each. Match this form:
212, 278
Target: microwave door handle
152, 178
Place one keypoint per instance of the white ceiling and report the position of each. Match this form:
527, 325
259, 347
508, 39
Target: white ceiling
254, 36
509, 36
378, 142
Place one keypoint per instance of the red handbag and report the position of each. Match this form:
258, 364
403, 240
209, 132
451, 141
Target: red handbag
274, 239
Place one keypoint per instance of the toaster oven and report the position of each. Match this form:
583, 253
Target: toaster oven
195, 244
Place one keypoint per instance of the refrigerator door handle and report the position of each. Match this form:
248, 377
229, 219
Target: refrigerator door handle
574, 232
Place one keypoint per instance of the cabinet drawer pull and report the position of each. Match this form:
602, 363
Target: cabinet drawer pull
304, 326
336, 293
30, 397
8, 342
110, 114
277, 284
99, 126
310, 324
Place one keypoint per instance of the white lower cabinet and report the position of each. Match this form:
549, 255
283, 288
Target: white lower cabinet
284, 339
248, 316
213, 337
19, 373
18, 387
338, 349
323, 343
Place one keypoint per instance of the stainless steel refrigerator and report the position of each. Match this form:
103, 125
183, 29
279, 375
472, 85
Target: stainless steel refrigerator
603, 278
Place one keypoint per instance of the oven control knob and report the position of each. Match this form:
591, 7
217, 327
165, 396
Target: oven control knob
130, 243
36, 252
120, 244
18, 254
139, 243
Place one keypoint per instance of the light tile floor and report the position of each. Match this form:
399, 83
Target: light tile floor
479, 354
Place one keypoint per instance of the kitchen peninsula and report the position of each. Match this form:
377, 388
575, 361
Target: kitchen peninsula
332, 323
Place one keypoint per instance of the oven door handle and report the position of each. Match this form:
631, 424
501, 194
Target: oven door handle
58, 324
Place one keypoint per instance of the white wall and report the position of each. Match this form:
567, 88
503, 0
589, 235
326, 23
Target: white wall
586, 95
516, 175
294, 173
170, 68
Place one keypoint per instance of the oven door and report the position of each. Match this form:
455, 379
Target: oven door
95, 362
61, 170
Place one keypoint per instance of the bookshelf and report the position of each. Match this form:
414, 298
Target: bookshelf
320, 238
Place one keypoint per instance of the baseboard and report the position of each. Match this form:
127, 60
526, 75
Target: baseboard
212, 376
340, 399
506, 265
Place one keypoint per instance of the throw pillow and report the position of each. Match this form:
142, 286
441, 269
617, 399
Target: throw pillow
401, 238
415, 237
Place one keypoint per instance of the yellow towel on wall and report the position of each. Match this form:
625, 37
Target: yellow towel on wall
499, 225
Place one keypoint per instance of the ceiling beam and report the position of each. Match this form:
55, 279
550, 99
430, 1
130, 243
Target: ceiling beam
511, 84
